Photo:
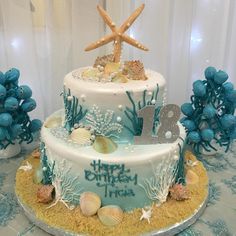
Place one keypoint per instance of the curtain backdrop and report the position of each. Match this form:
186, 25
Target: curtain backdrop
45, 39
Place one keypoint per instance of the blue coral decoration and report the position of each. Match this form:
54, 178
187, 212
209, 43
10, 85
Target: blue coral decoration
209, 116
74, 112
135, 123
9, 208
15, 103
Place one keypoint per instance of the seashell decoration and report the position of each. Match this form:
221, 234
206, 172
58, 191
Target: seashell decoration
90, 73
36, 153
134, 70
102, 61
53, 122
89, 203
120, 78
38, 175
179, 192
104, 145
111, 67
191, 177
110, 215
45, 193
81, 136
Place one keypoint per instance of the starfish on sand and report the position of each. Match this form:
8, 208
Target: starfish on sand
146, 214
118, 33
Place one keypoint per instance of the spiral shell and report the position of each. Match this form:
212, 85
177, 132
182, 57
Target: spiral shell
89, 203
45, 193
110, 215
81, 136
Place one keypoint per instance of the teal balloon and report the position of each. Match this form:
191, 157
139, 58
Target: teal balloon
3, 92
11, 104
2, 133
220, 77
199, 89
5, 119
12, 75
210, 72
2, 78
209, 111
28, 105
228, 86
194, 137
187, 109
228, 121
24, 92
189, 125
35, 125
16, 130
231, 96
207, 134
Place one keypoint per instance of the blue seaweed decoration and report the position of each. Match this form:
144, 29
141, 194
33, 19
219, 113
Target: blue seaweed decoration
210, 114
180, 176
15, 104
74, 112
47, 167
131, 113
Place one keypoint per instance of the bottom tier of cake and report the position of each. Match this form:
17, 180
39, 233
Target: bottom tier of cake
177, 213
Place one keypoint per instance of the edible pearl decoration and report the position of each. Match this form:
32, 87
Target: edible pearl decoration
118, 119
69, 98
120, 107
153, 102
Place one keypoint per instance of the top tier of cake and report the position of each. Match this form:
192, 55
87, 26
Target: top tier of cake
110, 107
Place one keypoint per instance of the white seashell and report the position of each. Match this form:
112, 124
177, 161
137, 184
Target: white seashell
80, 136
110, 215
53, 122
89, 203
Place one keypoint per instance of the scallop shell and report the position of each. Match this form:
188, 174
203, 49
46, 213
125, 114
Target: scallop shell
104, 145
110, 215
53, 122
80, 136
89, 203
135, 70
102, 61
179, 192
191, 177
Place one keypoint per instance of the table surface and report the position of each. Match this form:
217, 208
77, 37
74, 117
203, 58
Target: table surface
219, 218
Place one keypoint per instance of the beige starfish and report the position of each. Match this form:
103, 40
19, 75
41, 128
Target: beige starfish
118, 34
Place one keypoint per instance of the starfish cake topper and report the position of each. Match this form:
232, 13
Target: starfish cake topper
118, 33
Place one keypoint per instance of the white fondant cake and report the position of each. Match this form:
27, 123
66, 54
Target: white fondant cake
121, 173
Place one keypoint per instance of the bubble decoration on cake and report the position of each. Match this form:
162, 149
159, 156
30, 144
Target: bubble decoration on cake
209, 116
16, 102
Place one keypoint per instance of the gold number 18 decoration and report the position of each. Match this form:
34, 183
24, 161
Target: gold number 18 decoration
168, 130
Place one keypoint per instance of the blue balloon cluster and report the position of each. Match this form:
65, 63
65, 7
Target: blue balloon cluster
210, 114
15, 103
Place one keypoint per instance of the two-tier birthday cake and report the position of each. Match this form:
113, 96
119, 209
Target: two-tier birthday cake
112, 161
